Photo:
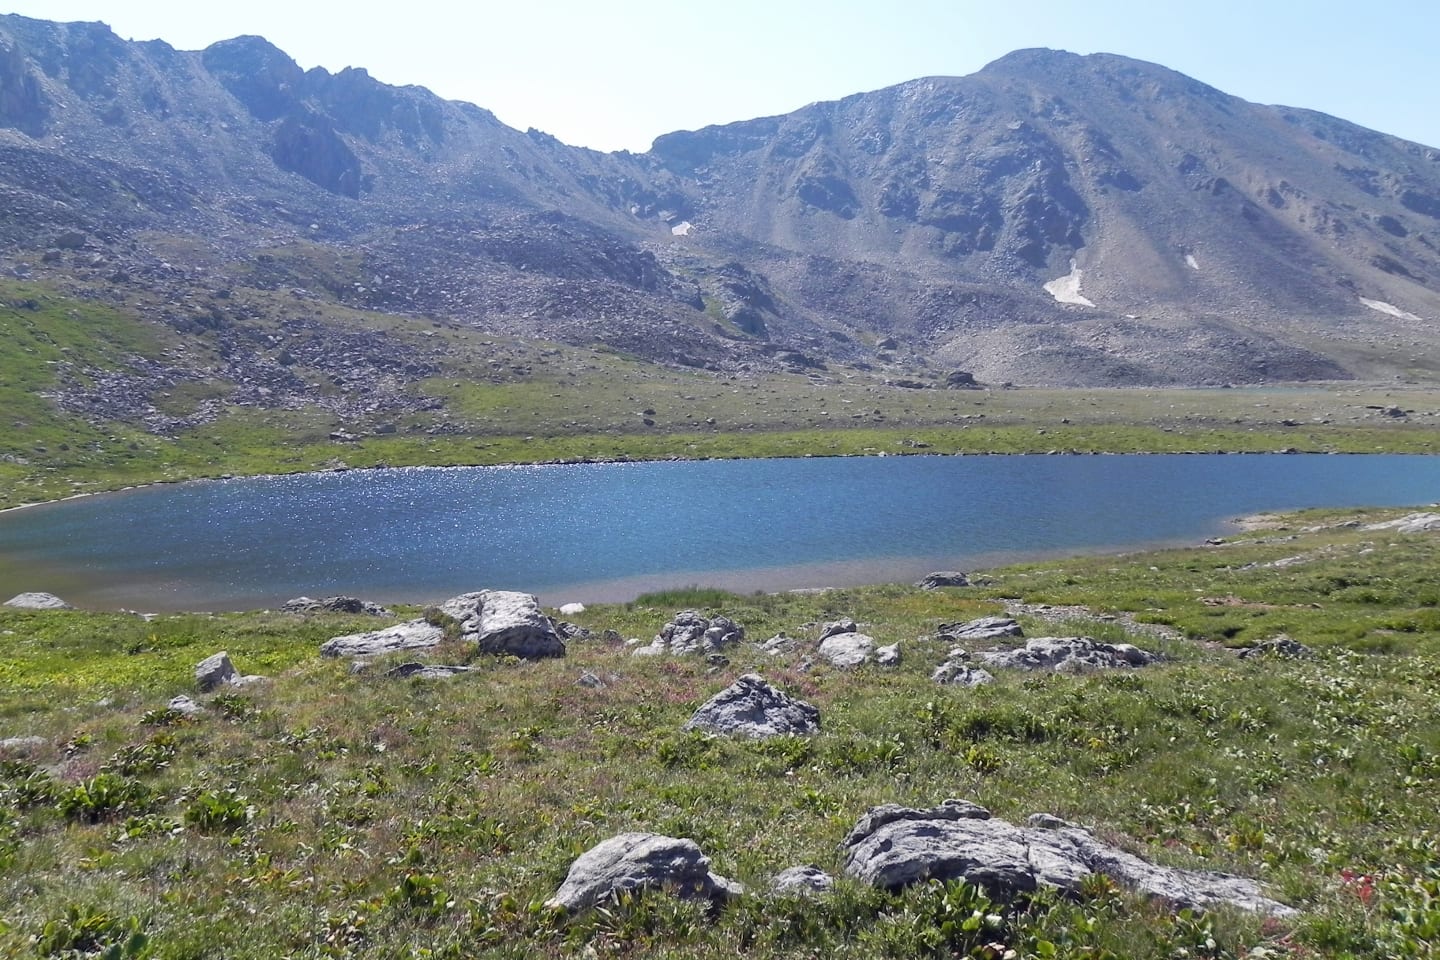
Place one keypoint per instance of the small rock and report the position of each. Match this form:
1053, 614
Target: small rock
639, 861
750, 707
424, 671
591, 680
954, 674
943, 578
888, 656
38, 601
802, 881
185, 705
572, 609
839, 626
1280, 646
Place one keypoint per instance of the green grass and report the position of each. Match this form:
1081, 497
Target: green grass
334, 814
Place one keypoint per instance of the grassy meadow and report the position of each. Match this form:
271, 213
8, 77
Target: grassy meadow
333, 813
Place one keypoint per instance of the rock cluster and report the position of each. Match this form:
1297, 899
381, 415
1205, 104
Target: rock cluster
690, 632
1069, 655
893, 846
750, 707
335, 605
496, 621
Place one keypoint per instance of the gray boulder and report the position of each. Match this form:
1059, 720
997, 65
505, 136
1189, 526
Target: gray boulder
803, 881
215, 671
750, 707
943, 578
690, 632
888, 656
412, 635
893, 846
335, 605
1069, 655
985, 628
38, 601
847, 649
505, 622
633, 862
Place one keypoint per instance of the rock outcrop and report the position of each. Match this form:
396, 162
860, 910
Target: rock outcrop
750, 707
412, 635
633, 862
893, 846
943, 578
976, 631
1069, 655
216, 671
957, 673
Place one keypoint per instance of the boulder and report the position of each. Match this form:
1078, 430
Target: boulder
1069, 655
505, 622
802, 882
335, 605
985, 628
633, 862
38, 601
571, 609
1411, 523
847, 649
412, 635
888, 656
943, 578
750, 707
690, 632
215, 671
893, 846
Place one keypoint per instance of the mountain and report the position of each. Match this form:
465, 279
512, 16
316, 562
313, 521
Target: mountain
1053, 219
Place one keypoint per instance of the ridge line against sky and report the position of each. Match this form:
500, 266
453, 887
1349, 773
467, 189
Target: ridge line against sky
615, 76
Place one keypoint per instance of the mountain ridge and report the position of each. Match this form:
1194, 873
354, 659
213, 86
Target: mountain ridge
1051, 219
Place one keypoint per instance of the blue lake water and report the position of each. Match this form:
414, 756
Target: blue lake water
609, 531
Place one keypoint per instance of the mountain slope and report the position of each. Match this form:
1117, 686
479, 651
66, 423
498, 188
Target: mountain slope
1052, 219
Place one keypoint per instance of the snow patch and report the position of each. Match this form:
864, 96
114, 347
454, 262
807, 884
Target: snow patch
1067, 288
1191, 262
682, 229
1389, 308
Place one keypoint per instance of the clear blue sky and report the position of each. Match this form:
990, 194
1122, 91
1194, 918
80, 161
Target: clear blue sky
615, 75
